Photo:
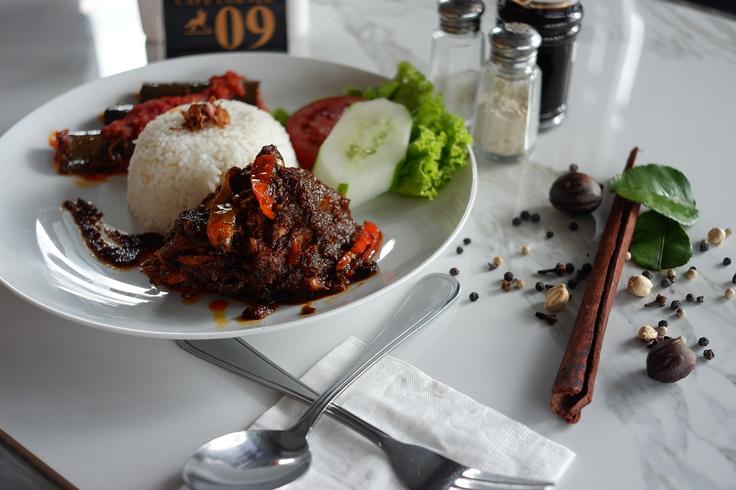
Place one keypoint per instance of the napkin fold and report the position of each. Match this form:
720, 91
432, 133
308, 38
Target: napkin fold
414, 408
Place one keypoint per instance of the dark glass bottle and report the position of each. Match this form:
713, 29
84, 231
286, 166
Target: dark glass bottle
558, 22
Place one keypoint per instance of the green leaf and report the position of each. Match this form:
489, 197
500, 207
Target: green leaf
659, 242
659, 187
281, 115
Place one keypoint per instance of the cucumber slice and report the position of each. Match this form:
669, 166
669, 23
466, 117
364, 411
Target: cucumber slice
360, 154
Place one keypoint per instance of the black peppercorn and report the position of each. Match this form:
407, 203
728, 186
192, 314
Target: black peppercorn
572, 283
700, 299
647, 274
454, 271
665, 283
727, 261
573, 167
587, 267
689, 298
709, 354
516, 221
466, 241
508, 276
525, 215
704, 246
663, 323
459, 250
733, 279
539, 286
535, 217
675, 304
473, 296
573, 226
703, 341
549, 234
569, 268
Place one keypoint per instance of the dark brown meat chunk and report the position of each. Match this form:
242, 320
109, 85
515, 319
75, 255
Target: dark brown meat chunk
230, 244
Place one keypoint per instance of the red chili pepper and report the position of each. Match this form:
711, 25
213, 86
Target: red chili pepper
260, 181
221, 226
296, 248
365, 245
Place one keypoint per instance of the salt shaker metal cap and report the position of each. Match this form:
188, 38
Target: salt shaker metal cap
460, 16
514, 43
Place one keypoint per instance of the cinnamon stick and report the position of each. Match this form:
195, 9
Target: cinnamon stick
573, 386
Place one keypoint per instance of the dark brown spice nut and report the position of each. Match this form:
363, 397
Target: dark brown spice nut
670, 360
575, 194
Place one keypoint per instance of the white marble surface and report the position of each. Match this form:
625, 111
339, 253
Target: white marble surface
109, 411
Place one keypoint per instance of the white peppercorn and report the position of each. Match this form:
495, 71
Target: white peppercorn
639, 285
647, 333
716, 236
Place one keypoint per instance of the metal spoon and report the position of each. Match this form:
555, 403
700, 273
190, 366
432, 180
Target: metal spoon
264, 459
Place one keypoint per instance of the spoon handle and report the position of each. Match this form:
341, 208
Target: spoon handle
427, 299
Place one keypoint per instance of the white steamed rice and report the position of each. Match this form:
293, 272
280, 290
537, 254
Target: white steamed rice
173, 169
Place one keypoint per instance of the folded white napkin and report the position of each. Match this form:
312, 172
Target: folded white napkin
412, 407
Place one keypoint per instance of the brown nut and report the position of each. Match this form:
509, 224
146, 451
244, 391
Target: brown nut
670, 360
576, 194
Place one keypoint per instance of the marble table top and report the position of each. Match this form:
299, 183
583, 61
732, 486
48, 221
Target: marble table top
112, 411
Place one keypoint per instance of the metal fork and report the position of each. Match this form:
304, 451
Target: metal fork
416, 467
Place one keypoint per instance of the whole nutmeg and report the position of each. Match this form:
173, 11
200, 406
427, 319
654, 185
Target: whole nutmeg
556, 298
670, 360
576, 194
639, 285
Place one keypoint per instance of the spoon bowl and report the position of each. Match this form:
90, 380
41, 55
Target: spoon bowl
252, 459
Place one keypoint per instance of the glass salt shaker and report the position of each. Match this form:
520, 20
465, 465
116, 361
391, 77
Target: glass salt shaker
507, 116
457, 55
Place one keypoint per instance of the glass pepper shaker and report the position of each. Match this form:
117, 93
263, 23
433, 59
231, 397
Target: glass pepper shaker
558, 22
507, 116
457, 55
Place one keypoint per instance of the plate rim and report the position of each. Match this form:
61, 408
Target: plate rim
247, 331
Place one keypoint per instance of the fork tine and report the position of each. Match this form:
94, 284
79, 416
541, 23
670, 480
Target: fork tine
498, 483
475, 474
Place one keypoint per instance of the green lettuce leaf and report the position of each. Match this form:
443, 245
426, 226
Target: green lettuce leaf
439, 141
281, 115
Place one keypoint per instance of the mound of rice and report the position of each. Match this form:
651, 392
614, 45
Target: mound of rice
173, 169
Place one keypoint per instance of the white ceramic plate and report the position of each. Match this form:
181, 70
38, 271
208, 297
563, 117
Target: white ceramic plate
44, 260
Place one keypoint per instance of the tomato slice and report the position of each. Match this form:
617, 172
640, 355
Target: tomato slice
309, 126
